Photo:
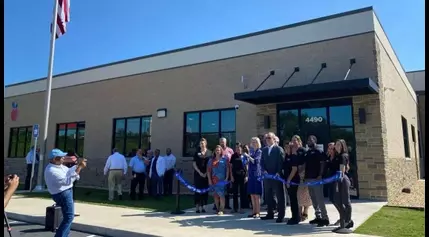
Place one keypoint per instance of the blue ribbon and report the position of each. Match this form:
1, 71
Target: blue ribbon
197, 190
331, 179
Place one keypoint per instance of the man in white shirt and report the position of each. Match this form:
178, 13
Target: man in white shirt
156, 174
116, 167
29, 161
59, 180
170, 164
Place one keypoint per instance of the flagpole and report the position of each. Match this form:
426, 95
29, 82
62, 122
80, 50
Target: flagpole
43, 151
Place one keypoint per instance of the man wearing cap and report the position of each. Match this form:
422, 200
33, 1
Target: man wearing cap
59, 180
116, 167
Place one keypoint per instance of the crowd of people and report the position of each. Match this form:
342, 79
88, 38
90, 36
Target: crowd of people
224, 171
244, 167
149, 168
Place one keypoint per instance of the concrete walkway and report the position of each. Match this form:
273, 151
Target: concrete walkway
119, 222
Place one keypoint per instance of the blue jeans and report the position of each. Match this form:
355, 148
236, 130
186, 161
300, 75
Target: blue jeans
65, 201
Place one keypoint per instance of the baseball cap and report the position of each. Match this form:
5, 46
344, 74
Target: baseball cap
56, 153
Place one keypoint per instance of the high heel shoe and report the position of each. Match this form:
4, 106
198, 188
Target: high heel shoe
251, 215
256, 215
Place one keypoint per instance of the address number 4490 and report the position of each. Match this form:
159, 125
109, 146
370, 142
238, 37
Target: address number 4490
316, 119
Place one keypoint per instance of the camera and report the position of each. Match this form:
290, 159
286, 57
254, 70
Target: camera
237, 107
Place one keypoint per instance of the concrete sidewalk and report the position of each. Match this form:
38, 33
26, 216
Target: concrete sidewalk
119, 222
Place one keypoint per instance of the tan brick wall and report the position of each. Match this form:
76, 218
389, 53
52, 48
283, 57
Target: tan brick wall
396, 101
422, 127
198, 87
421, 105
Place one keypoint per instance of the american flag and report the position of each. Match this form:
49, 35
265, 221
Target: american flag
63, 16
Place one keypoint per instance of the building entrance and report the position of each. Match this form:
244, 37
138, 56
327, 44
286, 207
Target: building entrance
327, 120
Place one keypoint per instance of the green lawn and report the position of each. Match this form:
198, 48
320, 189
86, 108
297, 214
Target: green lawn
395, 222
99, 197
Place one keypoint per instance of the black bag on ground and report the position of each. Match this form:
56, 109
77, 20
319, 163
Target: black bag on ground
53, 218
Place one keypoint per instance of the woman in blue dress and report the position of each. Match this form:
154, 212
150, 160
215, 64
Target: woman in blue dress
254, 186
217, 172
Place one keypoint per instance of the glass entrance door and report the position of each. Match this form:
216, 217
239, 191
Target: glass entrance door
288, 124
314, 122
328, 122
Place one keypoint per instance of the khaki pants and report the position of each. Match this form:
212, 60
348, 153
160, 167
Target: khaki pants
115, 180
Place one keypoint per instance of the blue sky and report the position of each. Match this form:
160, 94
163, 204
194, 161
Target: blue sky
110, 30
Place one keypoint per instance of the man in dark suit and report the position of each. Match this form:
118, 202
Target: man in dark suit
272, 162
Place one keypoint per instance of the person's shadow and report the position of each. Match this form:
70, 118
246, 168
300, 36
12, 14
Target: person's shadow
257, 226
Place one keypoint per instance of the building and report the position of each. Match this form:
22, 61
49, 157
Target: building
417, 80
334, 77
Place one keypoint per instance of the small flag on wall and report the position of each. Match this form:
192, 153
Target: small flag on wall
14, 112
63, 16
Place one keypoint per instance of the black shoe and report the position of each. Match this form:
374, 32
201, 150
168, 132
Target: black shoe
337, 223
120, 197
350, 225
203, 210
292, 222
214, 208
315, 221
279, 220
323, 223
251, 215
340, 230
267, 217
197, 211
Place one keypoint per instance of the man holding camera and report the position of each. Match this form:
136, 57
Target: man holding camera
59, 180
11, 183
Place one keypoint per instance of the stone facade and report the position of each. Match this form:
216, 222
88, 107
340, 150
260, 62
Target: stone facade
397, 99
369, 144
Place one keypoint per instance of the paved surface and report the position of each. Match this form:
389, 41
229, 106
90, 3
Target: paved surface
120, 222
26, 229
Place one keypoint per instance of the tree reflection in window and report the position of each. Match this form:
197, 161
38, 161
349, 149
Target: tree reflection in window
131, 134
20, 140
210, 125
71, 136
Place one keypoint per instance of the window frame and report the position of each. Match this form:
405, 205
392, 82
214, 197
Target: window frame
65, 135
200, 133
405, 137
27, 128
125, 129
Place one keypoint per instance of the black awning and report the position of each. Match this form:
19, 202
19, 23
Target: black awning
345, 88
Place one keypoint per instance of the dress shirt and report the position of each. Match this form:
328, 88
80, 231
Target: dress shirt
270, 148
116, 162
137, 164
170, 162
227, 152
59, 178
29, 157
160, 166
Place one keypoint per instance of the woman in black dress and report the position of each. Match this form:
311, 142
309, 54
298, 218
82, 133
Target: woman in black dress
201, 159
